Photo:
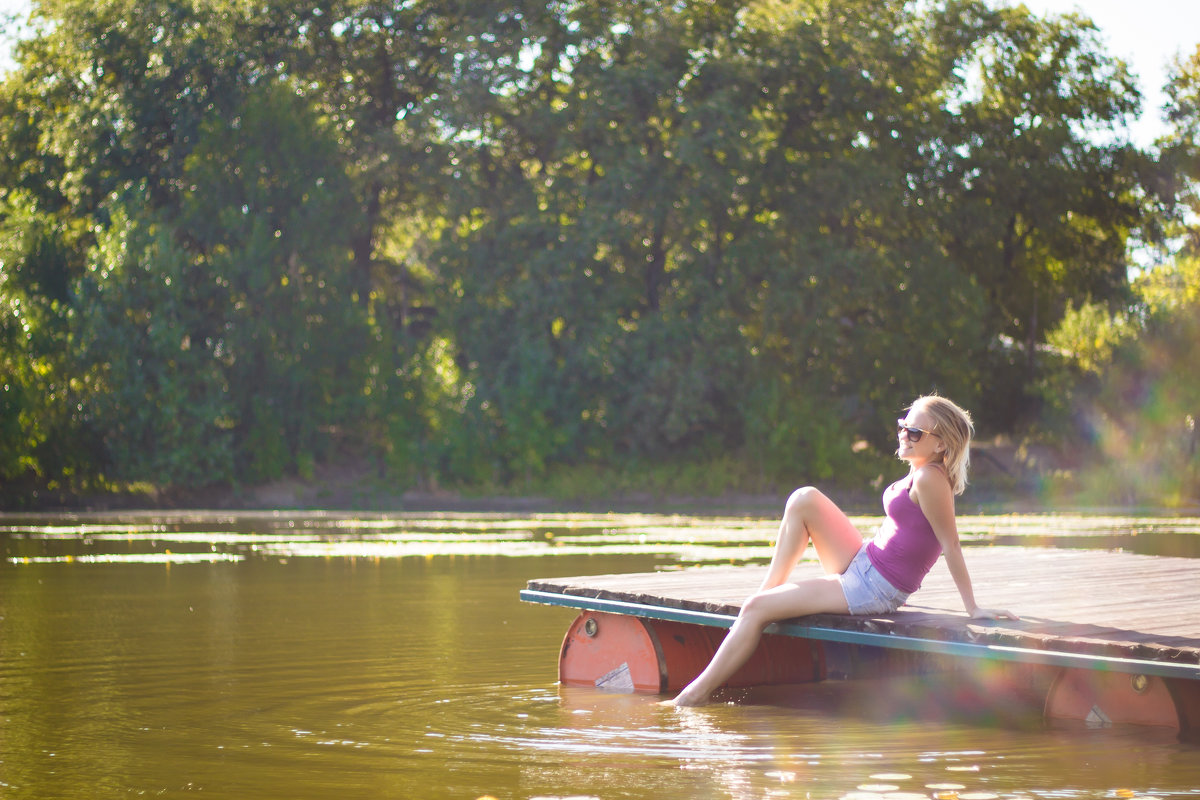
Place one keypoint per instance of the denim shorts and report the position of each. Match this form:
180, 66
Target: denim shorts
868, 592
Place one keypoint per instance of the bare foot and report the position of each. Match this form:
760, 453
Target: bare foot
687, 699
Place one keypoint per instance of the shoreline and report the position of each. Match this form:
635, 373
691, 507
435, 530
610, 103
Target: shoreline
1003, 481
301, 497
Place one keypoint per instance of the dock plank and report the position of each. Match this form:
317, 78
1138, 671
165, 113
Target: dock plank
1090, 602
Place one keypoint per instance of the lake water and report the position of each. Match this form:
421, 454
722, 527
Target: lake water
388, 656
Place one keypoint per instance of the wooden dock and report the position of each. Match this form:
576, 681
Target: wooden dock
1086, 616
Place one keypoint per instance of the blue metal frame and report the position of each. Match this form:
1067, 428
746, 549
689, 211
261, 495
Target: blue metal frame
1163, 669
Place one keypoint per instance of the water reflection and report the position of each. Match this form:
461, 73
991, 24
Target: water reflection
182, 538
342, 656
754, 751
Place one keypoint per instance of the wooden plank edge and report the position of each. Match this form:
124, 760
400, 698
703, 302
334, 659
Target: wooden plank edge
816, 631
918, 622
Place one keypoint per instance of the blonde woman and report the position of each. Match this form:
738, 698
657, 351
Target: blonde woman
863, 577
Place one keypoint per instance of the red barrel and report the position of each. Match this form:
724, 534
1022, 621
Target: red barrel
625, 653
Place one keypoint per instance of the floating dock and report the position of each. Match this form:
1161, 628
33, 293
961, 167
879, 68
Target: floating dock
1104, 637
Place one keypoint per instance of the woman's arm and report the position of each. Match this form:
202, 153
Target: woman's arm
936, 501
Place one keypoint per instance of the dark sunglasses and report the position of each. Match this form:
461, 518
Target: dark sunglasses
914, 434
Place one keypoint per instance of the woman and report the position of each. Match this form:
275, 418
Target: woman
874, 577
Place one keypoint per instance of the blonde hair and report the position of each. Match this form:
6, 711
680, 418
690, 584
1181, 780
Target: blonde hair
953, 424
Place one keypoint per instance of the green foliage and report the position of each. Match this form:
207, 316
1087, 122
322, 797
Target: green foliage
262, 213
1136, 395
1178, 174
1044, 189
157, 395
1089, 334
45, 437
1127, 387
731, 225
478, 244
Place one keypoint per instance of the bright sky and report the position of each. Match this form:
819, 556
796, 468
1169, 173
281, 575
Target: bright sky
1146, 33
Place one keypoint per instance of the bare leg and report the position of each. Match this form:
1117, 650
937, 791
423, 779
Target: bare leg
811, 516
813, 596
808, 516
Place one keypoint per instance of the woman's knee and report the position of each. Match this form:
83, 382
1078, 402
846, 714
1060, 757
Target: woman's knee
803, 499
754, 610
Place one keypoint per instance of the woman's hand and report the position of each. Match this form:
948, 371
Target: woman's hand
992, 613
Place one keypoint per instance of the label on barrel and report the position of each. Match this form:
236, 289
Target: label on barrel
617, 680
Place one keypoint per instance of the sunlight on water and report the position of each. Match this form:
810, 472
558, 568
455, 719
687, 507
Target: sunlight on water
684, 539
131, 558
321, 655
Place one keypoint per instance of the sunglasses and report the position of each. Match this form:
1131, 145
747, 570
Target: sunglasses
914, 434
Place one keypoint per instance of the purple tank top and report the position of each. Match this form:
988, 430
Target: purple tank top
906, 548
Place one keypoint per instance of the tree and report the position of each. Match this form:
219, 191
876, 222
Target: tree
157, 393
1042, 192
235, 315
1180, 160
1133, 394
473, 242
683, 227
42, 435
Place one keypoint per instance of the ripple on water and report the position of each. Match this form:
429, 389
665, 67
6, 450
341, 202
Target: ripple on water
384, 665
